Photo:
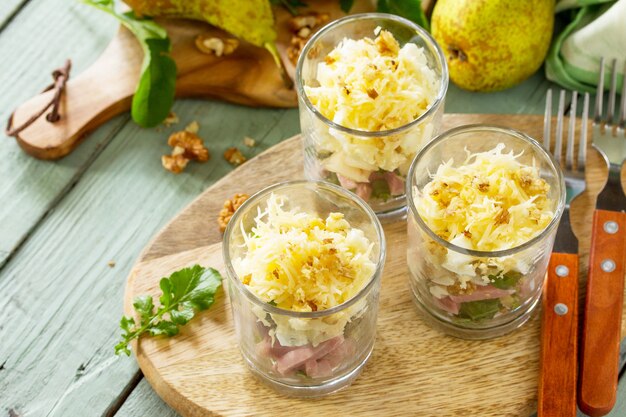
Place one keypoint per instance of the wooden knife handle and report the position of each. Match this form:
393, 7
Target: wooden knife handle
603, 312
559, 330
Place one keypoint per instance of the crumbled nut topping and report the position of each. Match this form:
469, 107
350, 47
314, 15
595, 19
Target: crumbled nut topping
216, 46
229, 208
234, 156
111, 264
372, 93
249, 142
387, 44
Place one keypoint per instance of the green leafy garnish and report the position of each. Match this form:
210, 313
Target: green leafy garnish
409, 9
290, 5
346, 5
479, 310
272, 303
506, 281
184, 293
154, 95
380, 190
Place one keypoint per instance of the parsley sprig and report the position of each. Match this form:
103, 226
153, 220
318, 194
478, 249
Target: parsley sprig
184, 293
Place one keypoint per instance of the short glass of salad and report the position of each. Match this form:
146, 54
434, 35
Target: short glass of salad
371, 91
303, 262
484, 205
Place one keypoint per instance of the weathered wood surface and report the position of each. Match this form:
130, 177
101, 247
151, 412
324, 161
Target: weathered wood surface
174, 369
60, 223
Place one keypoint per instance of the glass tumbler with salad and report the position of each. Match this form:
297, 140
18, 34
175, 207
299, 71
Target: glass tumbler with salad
484, 203
371, 91
303, 262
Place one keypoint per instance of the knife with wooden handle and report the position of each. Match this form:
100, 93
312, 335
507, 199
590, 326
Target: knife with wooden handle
599, 366
559, 328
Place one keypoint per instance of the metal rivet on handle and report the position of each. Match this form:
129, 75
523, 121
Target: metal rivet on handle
608, 265
561, 309
611, 227
562, 271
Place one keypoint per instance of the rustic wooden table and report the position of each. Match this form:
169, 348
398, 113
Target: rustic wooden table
70, 230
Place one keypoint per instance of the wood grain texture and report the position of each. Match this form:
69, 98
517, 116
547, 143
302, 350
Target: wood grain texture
30, 188
559, 340
602, 316
61, 320
248, 76
450, 392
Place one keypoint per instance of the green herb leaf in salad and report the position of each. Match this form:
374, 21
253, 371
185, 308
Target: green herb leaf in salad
505, 281
185, 292
346, 5
154, 95
409, 9
290, 5
380, 190
479, 310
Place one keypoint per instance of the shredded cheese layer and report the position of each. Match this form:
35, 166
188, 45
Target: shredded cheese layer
373, 85
489, 202
301, 262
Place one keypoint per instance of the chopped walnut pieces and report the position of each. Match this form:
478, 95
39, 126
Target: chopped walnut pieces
372, 93
246, 279
234, 156
302, 27
171, 119
229, 208
467, 234
216, 46
532, 184
387, 44
186, 146
461, 288
174, 163
192, 127
503, 217
329, 60
191, 145
249, 142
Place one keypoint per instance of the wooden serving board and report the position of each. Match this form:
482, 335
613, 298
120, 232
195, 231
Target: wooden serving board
414, 370
248, 76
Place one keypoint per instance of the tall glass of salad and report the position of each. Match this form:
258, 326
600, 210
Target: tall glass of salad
304, 261
484, 203
371, 90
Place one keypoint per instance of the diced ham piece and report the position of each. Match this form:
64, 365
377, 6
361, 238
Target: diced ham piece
323, 369
376, 176
264, 347
339, 355
298, 356
448, 305
486, 292
310, 367
364, 190
395, 182
346, 182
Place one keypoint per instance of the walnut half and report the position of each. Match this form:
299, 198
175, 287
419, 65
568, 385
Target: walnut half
229, 208
186, 146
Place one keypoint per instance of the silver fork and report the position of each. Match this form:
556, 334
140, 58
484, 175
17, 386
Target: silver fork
599, 365
559, 326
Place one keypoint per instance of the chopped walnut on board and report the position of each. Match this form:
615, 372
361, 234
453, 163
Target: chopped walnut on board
212, 45
186, 146
230, 206
234, 156
303, 26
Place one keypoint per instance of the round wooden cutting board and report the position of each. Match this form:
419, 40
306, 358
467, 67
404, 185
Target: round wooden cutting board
414, 370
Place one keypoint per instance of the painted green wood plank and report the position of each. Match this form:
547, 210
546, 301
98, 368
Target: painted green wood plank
59, 325
36, 41
145, 402
8, 10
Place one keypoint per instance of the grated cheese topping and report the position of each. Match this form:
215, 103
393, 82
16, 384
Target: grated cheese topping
374, 85
301, 262
489, 202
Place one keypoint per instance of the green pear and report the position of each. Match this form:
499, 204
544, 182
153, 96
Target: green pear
491, 45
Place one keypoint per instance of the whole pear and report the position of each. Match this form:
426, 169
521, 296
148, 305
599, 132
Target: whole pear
491, 45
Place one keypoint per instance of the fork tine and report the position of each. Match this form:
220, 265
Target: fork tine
547, 120
582, 146
559, 127
611, 109
599, 94
569, 150
622, 111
